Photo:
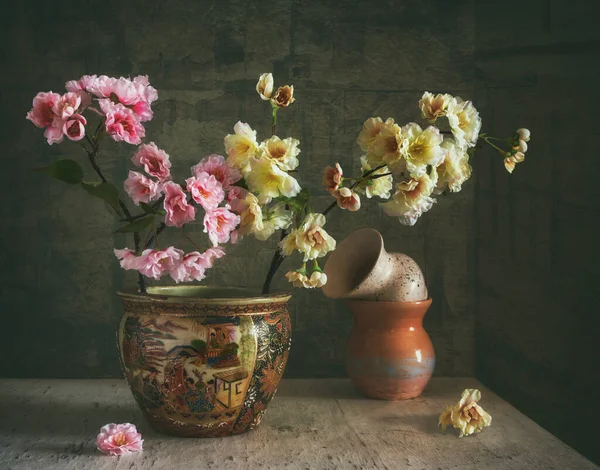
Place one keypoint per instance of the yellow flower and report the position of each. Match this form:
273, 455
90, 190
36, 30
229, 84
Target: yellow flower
264, 87
422, 148
273, 220
434, 106
509, 164
284, 96
310, 238
288, 245
268, 180
371, 128
464, 121
283, 153
251, 217
388, 146
455, 169
297, 278
467, 415
241, 147
381, 186
412, 198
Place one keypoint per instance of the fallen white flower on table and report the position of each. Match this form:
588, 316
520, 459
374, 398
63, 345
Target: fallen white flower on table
467, 415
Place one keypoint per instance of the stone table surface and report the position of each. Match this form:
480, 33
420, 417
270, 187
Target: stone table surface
310, 424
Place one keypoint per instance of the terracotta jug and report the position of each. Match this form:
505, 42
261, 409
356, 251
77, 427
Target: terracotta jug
360, 268
390, 355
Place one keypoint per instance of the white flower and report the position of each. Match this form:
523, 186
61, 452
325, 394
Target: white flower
310, 238
381, 186
464, 121
273, 220
422, 148
434, 106
284, 96
283, 153
264, 87
371, 128
455, 169
241, 147
467, 415
317, 279
268, 180
412, 198
347, 199
524, 134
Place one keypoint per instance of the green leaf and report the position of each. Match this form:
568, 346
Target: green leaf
148, 209
105, 191
298, 202
65, 170
138, 225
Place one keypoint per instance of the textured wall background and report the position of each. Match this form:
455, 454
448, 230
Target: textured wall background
347, 60
536, 242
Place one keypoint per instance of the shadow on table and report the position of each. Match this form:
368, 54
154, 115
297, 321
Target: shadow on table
319, 388
64, 418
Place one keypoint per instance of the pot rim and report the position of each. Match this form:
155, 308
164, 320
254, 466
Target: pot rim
339, 253
427, 301
166, 295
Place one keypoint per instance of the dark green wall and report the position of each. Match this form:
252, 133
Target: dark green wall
536, 242
347, 60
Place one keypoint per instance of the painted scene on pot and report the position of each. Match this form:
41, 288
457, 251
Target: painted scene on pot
182, 369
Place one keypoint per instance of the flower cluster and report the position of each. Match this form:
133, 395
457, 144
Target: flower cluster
210, 185
253, 190
124, 105
517, 153
182, 267
467, 415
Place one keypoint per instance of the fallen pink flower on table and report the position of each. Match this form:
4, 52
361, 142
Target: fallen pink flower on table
119, 439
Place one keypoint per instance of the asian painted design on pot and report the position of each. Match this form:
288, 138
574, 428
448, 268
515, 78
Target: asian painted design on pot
196, 368
390, 355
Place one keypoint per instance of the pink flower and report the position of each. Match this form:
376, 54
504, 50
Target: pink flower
212, 254
119, 439
215, 165
41, 114
179, 212
143, 111
127, 258
74, 127
154, 160
192, 267
154, 263
332, 177
205, 190
146, 92
235, 192
121, 123
140, 188
54, 132
68, 105
83, 83
219, 224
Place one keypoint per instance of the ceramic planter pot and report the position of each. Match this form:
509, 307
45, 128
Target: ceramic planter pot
361, 268
203, 361
389, 355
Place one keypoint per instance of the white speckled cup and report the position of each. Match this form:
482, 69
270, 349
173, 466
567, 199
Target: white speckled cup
360, 268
